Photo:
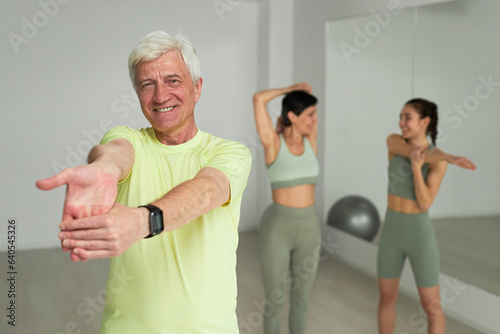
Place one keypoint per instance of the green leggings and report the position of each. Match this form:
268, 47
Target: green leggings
289, 240
408, 235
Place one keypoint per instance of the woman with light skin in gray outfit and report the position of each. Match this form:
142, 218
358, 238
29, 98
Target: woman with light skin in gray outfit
290, 233
416, 170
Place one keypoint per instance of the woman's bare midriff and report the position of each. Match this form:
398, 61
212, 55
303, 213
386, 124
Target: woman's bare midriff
296, 197
403, 205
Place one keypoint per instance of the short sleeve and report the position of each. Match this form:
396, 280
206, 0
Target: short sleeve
121, 132
235, 161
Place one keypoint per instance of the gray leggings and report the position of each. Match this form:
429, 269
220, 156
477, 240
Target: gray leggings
289, 240
409, 235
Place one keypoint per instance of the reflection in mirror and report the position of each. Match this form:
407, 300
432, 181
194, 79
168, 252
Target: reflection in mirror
447, 53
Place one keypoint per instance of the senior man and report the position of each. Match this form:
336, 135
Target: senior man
163, 202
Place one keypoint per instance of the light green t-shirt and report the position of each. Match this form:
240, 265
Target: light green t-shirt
182, 281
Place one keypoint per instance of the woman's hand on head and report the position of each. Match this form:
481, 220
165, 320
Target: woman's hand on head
303, 86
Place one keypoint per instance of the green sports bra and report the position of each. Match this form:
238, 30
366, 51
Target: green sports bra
289, 170
400, 175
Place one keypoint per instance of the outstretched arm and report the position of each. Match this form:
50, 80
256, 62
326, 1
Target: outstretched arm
398, 146
92, 188
191, 199
111, 234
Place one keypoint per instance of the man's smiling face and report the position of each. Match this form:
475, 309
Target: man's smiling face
167, 93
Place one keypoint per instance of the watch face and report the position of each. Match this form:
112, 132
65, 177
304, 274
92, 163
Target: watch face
155, 220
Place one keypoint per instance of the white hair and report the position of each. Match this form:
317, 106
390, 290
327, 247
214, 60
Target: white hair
155, 44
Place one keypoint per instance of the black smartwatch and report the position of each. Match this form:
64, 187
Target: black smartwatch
155, 220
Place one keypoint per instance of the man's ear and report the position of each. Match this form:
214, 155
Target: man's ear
197, 89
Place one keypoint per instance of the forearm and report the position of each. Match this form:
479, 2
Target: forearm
192, 199
422, 191
436, 155
116, 157
398, 146
265, 96
263, 120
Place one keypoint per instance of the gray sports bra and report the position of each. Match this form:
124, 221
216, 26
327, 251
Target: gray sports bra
401, 177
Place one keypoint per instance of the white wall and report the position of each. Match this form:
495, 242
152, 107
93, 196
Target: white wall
65, 81
364, 94
275, 70
457, 52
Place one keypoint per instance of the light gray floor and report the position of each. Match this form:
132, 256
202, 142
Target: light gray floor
470, 250
57, 296
343, 300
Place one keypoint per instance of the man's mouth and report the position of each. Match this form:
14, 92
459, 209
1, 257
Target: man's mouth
164, 109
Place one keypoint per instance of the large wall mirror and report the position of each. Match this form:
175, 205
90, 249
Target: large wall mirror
448, 53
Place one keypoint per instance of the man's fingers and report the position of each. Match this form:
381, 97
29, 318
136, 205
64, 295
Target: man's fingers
85, 254
65, 249
89, 245
86, 234
75, 257
55, 181
74, 211
85, 223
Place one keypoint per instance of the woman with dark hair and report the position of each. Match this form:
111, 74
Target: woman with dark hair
290, 233
416, 169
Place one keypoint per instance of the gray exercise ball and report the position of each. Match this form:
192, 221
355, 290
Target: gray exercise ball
355, 215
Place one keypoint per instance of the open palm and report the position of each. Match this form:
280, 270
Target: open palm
90, 190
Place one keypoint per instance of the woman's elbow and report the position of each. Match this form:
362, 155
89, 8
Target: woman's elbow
256, 98
424, 206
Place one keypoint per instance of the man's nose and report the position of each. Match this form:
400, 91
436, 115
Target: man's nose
162, 93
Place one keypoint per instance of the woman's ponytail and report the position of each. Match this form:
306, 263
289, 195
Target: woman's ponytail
432, 129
